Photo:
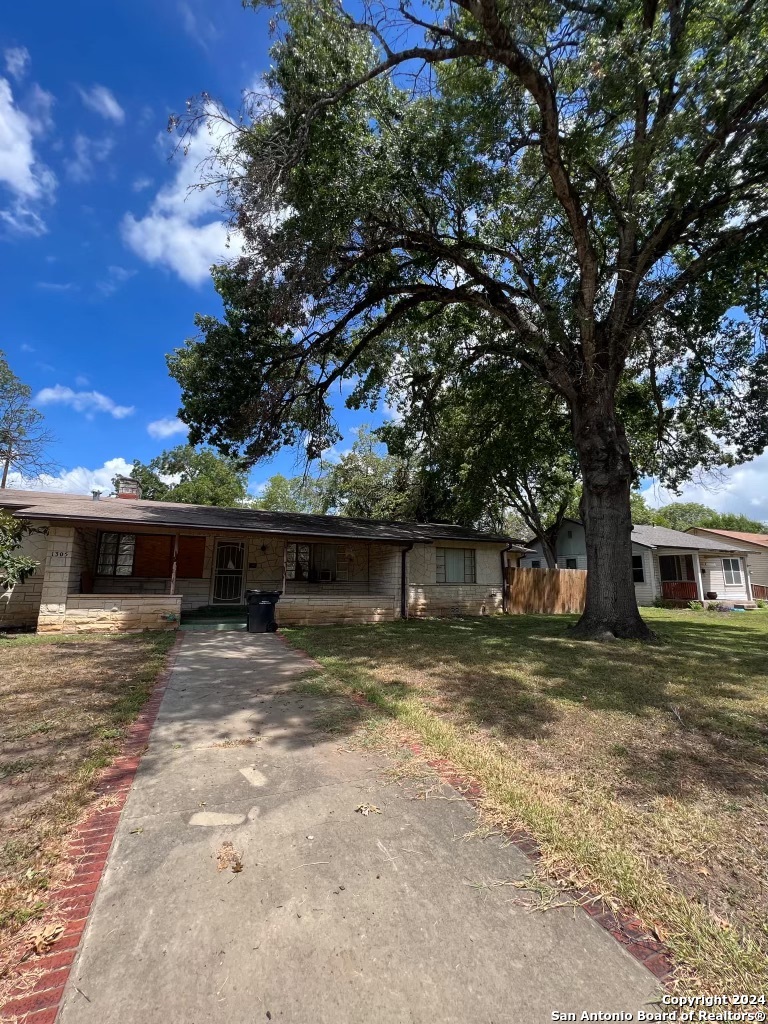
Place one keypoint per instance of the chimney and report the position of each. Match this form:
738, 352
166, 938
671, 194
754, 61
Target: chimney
126, 487
95, 495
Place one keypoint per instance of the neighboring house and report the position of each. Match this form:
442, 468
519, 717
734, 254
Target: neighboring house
666, 564
756, 544
124, 563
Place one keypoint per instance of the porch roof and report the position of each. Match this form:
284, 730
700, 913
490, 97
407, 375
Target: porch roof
663, 537
134, 512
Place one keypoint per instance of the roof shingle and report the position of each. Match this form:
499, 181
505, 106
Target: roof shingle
134, 512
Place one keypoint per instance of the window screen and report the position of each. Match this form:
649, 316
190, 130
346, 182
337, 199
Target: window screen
571, 563
314, 563
732, 572
638, 570
455, 565
116, 552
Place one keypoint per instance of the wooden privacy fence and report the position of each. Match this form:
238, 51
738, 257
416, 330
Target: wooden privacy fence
545, 591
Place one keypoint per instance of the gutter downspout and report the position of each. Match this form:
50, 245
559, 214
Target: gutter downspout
504, 595
403, 584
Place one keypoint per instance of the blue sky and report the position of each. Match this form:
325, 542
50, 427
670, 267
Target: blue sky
104, 257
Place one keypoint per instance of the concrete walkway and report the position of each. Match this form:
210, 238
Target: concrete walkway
336, 917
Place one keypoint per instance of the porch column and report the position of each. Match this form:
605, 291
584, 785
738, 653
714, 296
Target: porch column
747, 580
697, 571
174, 564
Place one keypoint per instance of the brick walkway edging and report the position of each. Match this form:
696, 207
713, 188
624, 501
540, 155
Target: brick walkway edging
625, 928
88, 849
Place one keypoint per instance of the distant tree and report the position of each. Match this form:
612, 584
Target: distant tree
192, 476
684, 515
292, 494
14, 568
740, 523
642, 513
369, 483
497, 446
24, 441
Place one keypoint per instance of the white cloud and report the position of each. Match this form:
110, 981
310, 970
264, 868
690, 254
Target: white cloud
168, 427
26, 348
56, 286
115, 277
81, 381
141, 183
28, 181
102, 101
75, 481
88, 402
16, 61
88, 152
184, 228
743, 490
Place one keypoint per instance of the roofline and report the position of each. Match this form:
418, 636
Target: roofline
728, 535
136, 527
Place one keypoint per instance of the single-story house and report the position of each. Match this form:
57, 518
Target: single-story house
667, 564
123, 563
756, 546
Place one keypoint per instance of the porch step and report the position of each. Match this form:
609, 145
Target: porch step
216, 611
211, 624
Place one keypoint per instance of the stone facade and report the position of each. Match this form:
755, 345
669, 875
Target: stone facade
427, 597
368, 590
19, 608
114, 613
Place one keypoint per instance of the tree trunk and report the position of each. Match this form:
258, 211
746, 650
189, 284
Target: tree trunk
550, 551
607, 473
6, 467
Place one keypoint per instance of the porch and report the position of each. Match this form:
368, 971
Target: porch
114, 580
685, 576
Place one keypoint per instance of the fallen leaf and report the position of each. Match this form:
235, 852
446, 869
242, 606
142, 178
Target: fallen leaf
367, 809
227, 857
43, 940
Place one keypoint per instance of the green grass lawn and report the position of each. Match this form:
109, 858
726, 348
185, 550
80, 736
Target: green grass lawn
66, 701
642, 770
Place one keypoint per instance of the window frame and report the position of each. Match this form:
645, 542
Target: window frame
302, 554
470, 567
119, 535
638, 568
734, 582
536, 563
575, 563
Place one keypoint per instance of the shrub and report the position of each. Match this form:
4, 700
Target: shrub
695, 606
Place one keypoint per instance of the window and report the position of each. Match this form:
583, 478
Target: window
116, 552
570, 534
455, 565
571, 563
536, 564
676, 567
732, 572
638, 569
315, 563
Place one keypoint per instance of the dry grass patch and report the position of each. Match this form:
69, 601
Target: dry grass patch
66, 702
641, 770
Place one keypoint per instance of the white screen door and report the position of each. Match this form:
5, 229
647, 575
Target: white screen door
228, 573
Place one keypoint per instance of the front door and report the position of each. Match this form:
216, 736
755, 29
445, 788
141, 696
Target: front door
228, 573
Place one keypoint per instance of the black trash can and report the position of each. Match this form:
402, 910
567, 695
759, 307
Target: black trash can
261, 610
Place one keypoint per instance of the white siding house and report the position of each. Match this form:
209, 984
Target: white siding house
756, 546
667, 564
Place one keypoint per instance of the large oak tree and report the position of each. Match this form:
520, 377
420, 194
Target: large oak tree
586, 178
